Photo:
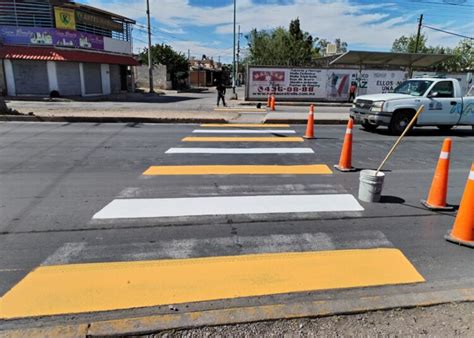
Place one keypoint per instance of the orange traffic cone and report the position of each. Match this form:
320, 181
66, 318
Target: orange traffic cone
272, 103
463, 229
269, 101
345, 162
310, 124
439, 187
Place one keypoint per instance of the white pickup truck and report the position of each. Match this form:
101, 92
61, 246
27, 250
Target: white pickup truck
444, 106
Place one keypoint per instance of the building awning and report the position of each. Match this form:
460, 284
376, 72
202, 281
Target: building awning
367, 58
56, 54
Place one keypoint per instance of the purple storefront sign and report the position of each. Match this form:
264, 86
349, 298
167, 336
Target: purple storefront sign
50, 37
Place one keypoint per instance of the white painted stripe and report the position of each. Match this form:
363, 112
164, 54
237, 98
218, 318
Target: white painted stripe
348, 131
471, 176
232, 205
227, 246
240, 151
238, 131
444, 155
65, 254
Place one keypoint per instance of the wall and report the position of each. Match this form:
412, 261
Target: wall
306, 84
159, 77
117, 46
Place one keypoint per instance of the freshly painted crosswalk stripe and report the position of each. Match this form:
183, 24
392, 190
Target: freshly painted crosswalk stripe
244, 125
80, 288
242, 139
240, 151
311, 169
243, 131
229, 205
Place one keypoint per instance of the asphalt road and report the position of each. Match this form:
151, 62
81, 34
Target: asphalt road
55, 177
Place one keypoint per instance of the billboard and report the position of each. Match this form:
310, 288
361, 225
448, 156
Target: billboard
50, 36
287, 83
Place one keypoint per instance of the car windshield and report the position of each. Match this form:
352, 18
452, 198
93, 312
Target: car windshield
413, 87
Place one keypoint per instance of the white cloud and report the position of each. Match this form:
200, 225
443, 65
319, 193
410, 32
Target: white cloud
363, 25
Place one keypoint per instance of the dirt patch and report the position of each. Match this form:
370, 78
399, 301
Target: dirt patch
446, 320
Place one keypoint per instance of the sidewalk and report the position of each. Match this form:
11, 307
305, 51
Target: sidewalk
191, 111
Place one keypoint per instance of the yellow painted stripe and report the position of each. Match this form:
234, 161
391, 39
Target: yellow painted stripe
77, 288
242, 139
244, 125
311, 169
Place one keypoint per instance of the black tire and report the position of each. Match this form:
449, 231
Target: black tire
399, 122
369, 127
445, 128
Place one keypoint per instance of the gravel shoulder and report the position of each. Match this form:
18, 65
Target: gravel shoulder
447, 320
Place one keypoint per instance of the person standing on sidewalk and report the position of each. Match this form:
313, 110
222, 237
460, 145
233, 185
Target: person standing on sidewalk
220, 94
352, 91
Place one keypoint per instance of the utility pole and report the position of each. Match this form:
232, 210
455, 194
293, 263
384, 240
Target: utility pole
238, 54
420, 23
233, 63
189, 54
150, 65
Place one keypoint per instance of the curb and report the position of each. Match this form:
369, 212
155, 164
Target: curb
105, 119
316, 122
298, 104
319, 308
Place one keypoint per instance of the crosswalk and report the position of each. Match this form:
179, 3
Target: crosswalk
240, 177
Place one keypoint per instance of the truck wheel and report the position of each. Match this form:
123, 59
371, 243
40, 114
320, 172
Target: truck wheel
399, 122
445, 128
369, 127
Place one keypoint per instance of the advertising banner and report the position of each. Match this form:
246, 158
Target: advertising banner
50, 36
65, 18
287, 83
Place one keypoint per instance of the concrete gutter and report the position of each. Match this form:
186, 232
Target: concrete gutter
131, 119
106, 119
317, 308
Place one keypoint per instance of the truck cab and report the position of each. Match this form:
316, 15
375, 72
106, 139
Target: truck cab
444, 106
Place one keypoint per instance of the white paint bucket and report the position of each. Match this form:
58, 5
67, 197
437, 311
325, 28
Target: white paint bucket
370, 186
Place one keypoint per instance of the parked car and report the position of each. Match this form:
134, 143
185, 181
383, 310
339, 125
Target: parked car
445, 107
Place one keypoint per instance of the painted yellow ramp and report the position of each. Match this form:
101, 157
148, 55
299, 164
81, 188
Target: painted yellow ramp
311, 169
77, 288
242, 139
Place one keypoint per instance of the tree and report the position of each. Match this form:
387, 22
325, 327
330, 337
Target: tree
280, 46
176, 63
463, 53
406, 44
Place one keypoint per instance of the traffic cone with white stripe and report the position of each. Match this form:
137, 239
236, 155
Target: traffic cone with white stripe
463, 228
439, 187
345, 161
310, 124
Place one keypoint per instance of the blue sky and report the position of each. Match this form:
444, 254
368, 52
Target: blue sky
205, 26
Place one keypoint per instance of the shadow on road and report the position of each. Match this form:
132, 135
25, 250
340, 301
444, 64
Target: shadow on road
421, 132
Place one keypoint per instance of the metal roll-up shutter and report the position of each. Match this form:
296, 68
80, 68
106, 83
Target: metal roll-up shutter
92, 78
115, 84
31, 77
69, 78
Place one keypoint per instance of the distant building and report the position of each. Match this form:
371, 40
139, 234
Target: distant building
204, 72
62, 47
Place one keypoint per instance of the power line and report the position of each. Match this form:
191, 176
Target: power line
451, 33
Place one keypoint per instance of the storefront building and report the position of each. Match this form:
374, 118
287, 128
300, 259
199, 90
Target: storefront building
54, 47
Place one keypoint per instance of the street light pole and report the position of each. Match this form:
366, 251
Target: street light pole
150, 65
233, 63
